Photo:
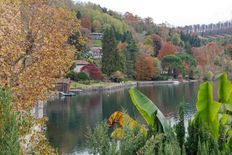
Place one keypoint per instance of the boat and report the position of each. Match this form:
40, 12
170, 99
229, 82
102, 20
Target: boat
67, 94
176, 82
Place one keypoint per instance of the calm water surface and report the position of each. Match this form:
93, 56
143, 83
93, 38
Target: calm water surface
70, 117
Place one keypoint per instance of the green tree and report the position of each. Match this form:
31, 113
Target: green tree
176, 39
112, 59
173, 65
78, 41
78, 15
180, 129
131, 52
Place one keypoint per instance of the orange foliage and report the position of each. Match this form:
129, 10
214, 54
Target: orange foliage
145, 48
33, 48
123, 120
167, 49
144, 67
121, 46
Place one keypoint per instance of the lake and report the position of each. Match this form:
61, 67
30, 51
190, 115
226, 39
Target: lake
70, 117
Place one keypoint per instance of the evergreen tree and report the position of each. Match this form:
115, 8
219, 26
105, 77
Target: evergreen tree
78, 15
112, 60
130, 53
180, 129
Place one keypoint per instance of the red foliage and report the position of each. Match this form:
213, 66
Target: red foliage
93, 71
205, 55
167, 49
86, 23
157, 44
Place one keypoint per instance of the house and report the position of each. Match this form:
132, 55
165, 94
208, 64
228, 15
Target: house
79, 65
96, 52
63, 85
97, 36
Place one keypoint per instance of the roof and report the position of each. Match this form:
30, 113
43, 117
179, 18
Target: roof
81, 62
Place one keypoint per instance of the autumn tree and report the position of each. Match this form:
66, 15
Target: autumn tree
210, 57
144, 66
86, 23
33, 48
167, 49
157, 44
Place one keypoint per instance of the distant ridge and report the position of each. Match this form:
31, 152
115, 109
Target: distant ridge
210, 30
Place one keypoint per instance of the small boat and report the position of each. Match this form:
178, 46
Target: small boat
67, 94
176, 82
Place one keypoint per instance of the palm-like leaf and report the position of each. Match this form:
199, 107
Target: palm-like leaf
207, 109
224, 89
150, 112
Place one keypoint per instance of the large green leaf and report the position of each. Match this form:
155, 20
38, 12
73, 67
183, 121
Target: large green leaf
150, 112
224, 90
207, 109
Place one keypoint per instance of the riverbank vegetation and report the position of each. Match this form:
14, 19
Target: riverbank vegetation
209, 132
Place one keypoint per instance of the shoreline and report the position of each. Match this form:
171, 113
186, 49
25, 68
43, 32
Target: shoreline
116, 86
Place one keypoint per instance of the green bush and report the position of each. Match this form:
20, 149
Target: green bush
71, 74
208, 76
161, 78
82, 76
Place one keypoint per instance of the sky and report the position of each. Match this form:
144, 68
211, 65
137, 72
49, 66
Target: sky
174, 12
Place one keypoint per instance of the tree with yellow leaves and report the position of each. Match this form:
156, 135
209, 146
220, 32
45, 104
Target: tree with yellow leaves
33, 48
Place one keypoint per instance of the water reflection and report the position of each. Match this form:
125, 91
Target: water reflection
70, 117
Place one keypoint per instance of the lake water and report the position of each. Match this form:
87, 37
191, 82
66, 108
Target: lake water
70, 117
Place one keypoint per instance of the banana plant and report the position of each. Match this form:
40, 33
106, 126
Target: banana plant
209, 112
149, 111
225, 97
225, 92
207, 109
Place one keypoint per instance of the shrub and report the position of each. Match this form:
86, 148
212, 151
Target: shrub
71, 75
161, 78
93, 71
82, 76
208, 76
117, 76
98, 140
9, 127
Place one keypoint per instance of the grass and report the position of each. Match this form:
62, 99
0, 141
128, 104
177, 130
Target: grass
77, 85
97, 43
